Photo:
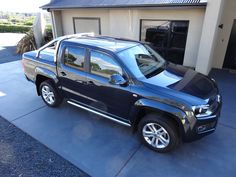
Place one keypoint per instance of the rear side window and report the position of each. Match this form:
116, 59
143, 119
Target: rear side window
104, 65
75, 57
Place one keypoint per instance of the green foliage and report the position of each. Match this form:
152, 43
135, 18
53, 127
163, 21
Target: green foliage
48, 28
95, 67
20, 19
27, 43
15, 20
4, 21
28, 23
14, 28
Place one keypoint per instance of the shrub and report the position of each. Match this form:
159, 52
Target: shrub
27, 43
14, 28
28, 23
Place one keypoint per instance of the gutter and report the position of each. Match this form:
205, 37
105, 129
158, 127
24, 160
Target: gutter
176, 5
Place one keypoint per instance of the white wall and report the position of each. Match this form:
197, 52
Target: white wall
126, 23
57, 23
39, 29
209, 34
229, 14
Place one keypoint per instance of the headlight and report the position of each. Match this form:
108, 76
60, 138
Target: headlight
202, 111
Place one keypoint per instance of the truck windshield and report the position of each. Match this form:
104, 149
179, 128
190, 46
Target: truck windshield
142, 61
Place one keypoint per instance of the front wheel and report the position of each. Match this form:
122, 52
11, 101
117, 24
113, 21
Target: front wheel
158, 133
50, 94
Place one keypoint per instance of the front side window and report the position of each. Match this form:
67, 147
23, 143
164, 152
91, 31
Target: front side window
103, 65
142, 61
75, 57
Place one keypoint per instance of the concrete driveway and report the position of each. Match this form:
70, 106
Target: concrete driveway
8, 42
102, 148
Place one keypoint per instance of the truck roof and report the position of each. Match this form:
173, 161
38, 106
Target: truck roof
107, 43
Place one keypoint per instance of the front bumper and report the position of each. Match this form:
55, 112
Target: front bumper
203, 126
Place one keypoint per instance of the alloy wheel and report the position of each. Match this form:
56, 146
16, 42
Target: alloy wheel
48, 95
156, 135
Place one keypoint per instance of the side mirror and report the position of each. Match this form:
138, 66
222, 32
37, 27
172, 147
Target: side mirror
117, 79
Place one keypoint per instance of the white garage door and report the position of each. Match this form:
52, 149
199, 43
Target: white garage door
87, 25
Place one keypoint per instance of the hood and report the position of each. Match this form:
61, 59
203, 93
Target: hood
187, 83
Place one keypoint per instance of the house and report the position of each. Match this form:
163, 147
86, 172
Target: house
196, 33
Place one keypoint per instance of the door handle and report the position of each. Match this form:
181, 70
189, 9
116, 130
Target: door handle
63, 73
90, 83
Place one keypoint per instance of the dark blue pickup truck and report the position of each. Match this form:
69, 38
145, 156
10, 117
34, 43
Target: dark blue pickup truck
128, 82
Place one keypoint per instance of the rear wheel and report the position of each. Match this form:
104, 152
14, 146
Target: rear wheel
50, 94
158, 133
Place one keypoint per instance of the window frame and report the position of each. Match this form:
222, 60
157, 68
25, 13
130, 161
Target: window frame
87, 18
85, 58
169, 20
107, 54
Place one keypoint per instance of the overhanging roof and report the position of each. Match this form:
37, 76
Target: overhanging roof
70, 4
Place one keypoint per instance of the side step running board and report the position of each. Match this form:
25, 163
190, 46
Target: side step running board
99, 113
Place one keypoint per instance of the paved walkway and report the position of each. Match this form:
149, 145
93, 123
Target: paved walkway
102, 148
8, 42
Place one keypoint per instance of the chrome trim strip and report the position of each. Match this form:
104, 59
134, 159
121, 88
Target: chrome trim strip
100, 114
210, 130
208, 117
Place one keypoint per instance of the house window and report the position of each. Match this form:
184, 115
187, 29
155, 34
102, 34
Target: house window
168, 38
87, 25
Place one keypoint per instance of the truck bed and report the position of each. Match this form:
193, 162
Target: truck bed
45, 60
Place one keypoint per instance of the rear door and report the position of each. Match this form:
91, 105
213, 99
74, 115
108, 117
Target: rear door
72, 72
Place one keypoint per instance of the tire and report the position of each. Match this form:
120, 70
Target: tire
50, 94
165, 138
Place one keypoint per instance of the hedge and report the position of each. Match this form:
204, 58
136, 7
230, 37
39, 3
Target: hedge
14, 28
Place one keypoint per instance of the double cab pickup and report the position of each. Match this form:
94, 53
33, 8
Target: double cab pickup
127, 82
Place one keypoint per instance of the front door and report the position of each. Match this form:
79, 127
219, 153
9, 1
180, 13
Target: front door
230, 57
108, 98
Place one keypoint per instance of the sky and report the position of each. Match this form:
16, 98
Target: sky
22, 5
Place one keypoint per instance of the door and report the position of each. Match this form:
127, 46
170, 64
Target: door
230, 57
72, 73
108, 98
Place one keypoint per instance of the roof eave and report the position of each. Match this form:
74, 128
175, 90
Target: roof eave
51, 7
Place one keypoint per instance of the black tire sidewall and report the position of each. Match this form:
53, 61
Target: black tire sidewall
165, 123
